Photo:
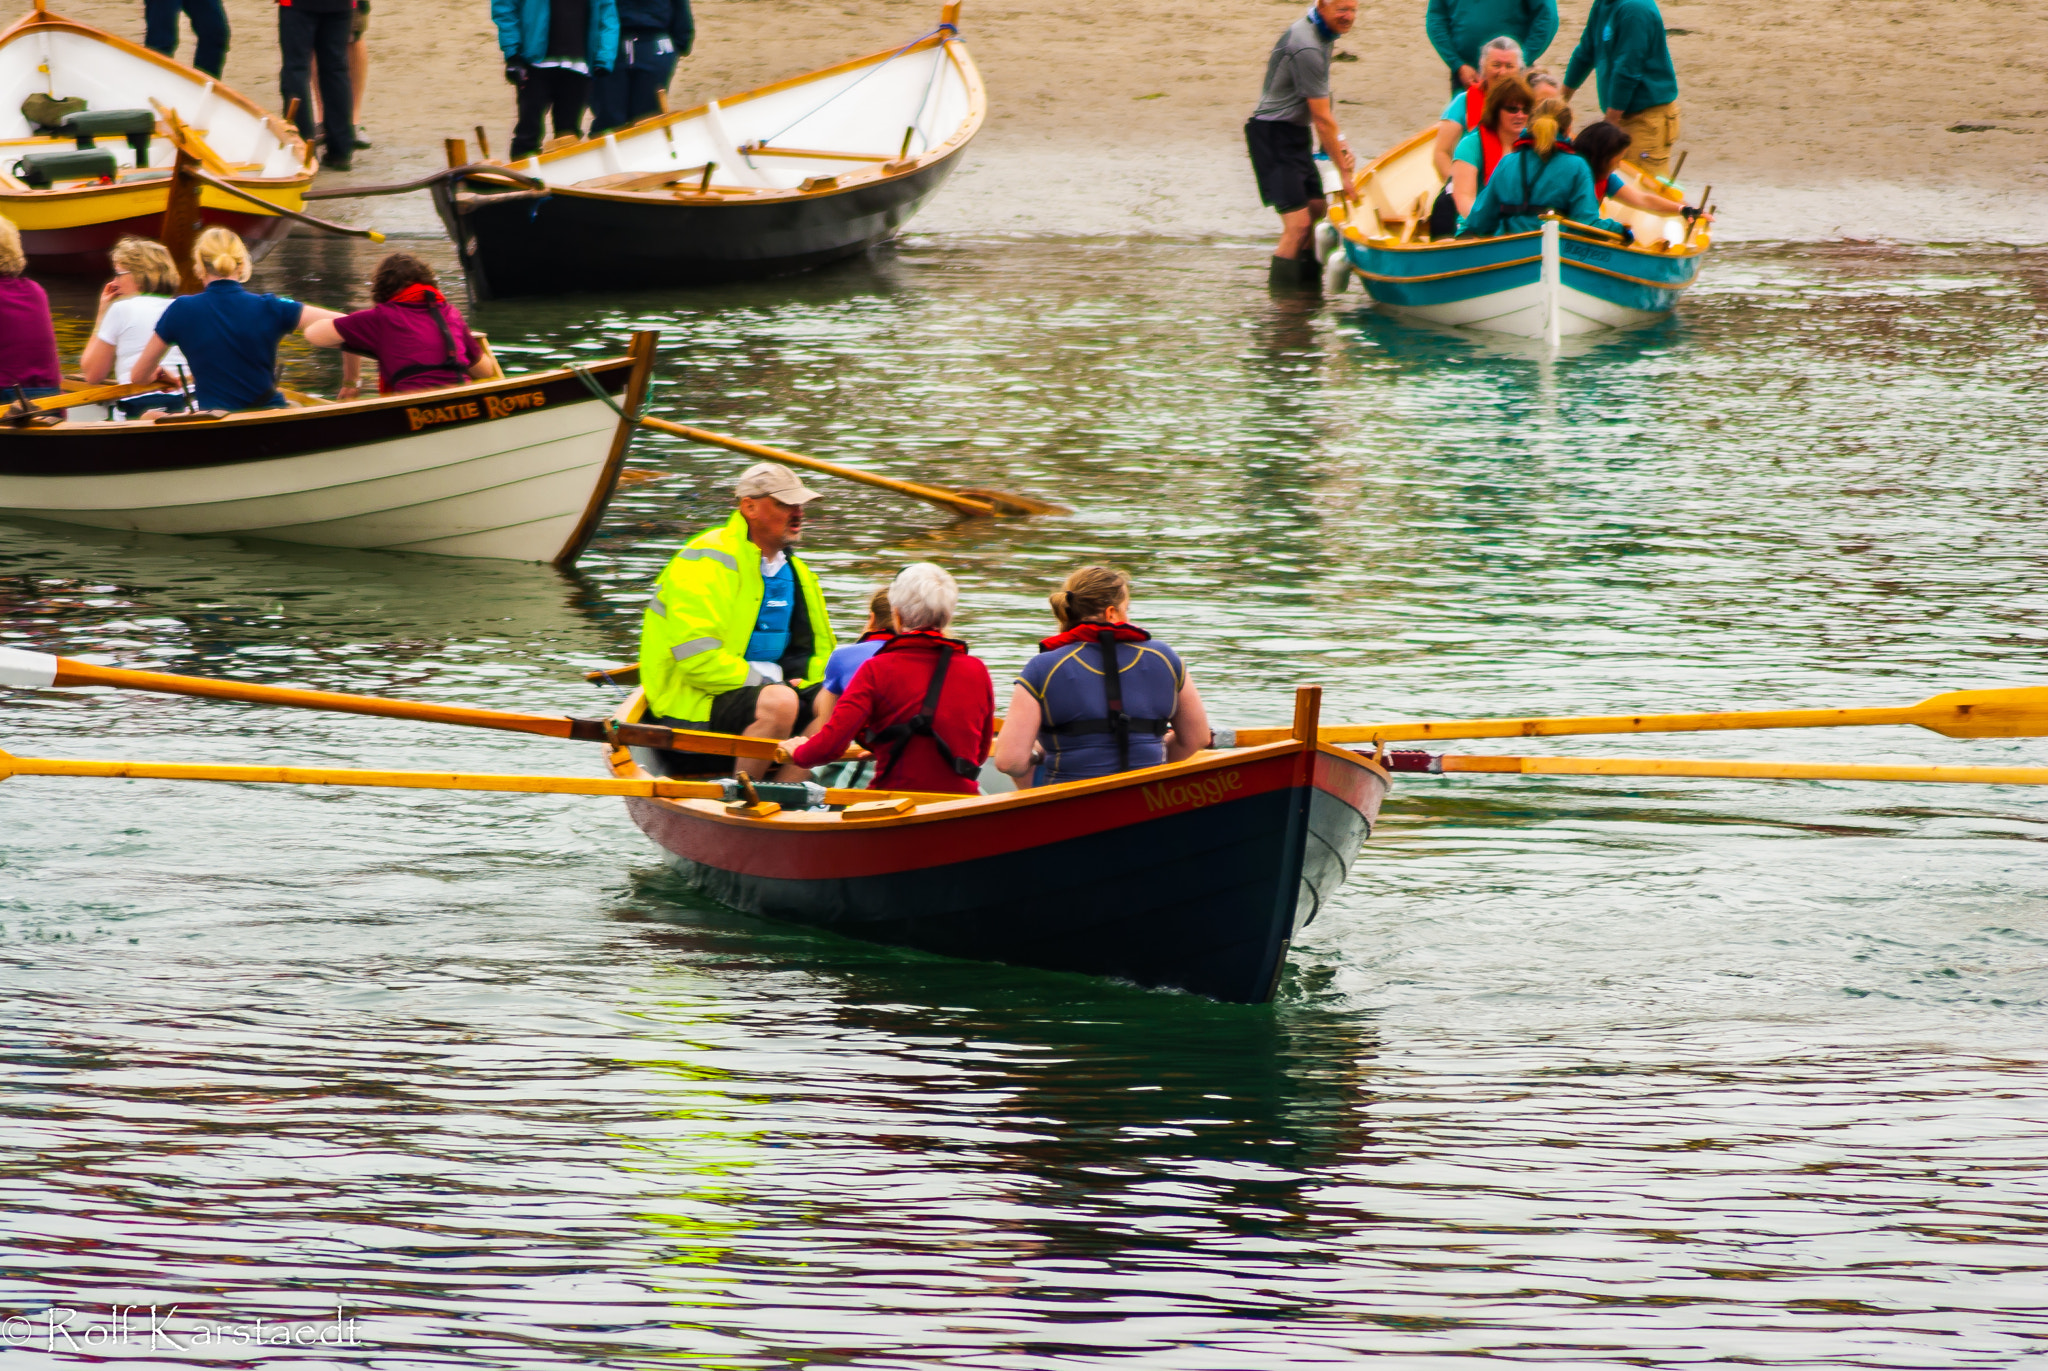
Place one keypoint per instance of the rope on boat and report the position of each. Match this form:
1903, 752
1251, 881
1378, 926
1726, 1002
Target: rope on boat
871, 71
596, 387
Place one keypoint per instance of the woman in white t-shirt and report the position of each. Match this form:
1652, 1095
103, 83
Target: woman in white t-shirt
145, 282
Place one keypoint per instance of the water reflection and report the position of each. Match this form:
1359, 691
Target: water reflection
1607, 1072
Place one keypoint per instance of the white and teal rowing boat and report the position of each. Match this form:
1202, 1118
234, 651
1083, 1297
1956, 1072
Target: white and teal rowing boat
1566, 279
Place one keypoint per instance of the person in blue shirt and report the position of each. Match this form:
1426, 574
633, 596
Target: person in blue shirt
551, 48
1602, 146
845, 661
1540, 175
228, 333
1625, 44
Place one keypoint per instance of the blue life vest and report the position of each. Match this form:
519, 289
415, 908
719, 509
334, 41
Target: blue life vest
778, 605
1082, 735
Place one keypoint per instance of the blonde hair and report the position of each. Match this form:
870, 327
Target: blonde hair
880, 611
13, 261
149, 262
1549, 122
222, 253
1088, 593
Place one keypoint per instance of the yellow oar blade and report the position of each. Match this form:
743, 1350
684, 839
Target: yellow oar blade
1753, 771
2019, 712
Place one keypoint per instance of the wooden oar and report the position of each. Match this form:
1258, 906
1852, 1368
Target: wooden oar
93, 395
2019, 712
979, 504
11, 765
36, 669
1753, 771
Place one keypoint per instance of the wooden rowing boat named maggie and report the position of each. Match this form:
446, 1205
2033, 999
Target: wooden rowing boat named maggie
1559, 282
1194, 876
72, 202
519, 468
770, 181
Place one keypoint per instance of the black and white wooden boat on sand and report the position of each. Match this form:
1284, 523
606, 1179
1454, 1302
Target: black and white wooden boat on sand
519, 468
795, 174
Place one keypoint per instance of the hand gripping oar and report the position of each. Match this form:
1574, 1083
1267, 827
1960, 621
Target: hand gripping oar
1445, 763
2019, 712
979, 504
11, 765
37, 669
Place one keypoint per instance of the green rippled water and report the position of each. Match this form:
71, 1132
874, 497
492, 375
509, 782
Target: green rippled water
1577, 1072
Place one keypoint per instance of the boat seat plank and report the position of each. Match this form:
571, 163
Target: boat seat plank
757, 150
643, 180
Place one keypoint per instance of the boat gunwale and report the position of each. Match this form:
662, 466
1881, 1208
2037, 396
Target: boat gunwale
244, 418
865, 178
42, 19
623, 765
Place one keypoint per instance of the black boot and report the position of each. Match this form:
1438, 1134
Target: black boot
1311, 272
1284, 273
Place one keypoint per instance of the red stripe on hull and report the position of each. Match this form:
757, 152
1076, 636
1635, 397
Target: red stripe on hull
834, 850
82, 250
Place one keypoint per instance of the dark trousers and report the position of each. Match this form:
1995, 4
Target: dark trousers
546, 91
632, 89
304, 38
209, 31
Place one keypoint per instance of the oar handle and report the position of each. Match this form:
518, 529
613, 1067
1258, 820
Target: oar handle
1564, 726
980, 509
92, 395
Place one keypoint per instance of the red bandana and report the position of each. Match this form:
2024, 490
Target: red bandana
419, 292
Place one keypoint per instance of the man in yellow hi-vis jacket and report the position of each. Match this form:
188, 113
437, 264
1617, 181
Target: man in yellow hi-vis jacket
736, 636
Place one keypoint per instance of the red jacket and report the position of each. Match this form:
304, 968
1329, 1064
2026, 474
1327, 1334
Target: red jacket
889, 688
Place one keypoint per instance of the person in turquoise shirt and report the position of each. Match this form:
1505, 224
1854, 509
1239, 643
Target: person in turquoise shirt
1625, 46
1457, 29
1540, 176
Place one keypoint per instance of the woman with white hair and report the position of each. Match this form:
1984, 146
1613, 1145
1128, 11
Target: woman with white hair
921, 704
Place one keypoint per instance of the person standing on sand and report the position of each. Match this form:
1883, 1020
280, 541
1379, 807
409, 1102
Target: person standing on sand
653, 34
209, 31
316, 33
1296, 96
551, 47
1458, 28
1624, 43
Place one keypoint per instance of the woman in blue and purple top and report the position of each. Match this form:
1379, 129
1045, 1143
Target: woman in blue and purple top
1102, 696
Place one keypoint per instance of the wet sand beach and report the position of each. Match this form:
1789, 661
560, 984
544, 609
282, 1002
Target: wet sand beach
1126, 118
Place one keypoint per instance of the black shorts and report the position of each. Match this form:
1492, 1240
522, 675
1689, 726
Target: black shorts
1283, 158
733, 712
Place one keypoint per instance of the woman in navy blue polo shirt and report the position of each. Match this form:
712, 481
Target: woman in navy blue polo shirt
228, 333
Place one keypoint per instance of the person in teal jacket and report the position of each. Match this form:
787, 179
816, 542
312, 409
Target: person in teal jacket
1459, 28
1542, 175
551, 47
1625, 46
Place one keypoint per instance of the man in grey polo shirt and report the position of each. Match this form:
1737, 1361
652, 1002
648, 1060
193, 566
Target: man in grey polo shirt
1297, 95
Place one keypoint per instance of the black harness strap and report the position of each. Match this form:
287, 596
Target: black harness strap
919, 725
1113, 695
450, 359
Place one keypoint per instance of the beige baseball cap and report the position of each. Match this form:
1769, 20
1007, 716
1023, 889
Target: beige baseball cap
773, 479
